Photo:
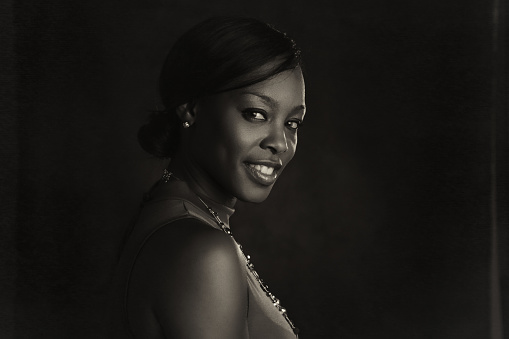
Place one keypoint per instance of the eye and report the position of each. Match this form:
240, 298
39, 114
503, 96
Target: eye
294, 124
254, 115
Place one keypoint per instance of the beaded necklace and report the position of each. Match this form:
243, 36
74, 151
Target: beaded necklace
226, 229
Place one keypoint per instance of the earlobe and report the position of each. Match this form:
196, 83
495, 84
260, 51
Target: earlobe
186, 113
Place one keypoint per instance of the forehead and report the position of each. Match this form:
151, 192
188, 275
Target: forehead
285, 87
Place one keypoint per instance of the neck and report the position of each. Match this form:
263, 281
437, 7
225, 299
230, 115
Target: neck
199, 181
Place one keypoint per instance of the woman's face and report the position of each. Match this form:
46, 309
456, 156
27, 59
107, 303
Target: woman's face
243, 139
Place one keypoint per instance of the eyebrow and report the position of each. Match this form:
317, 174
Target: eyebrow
271, 101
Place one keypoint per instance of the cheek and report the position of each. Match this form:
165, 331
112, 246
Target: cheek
239, 139
224, 145
292, 146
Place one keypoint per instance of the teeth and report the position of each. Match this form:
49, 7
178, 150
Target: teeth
264, 169
267, 170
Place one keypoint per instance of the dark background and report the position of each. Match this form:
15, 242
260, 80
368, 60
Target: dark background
382, 227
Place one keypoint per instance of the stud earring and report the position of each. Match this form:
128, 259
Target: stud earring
186, 124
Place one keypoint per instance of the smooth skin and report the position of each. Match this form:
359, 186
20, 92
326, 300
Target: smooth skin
188, 281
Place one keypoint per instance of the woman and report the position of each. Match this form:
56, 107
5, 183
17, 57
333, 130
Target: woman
233, 92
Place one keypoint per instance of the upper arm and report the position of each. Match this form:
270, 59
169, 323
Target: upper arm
189, 279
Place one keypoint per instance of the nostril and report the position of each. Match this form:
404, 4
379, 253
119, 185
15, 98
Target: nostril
275, 150
280, 150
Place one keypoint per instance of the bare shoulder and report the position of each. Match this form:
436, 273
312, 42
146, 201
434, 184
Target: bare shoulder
188, 282
187, 248
186, 237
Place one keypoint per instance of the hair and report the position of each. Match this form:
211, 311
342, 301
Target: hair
217, 55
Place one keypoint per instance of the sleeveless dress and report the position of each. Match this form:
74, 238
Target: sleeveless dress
163, 205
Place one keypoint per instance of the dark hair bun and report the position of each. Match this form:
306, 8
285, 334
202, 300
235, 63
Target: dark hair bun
158, 136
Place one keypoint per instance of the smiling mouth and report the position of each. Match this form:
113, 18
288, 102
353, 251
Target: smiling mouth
263, 174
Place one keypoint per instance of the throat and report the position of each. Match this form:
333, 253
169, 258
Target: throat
201, 183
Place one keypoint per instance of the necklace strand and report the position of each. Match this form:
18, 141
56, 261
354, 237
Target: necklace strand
226, 229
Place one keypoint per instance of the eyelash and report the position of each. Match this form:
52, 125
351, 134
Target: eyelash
251, 113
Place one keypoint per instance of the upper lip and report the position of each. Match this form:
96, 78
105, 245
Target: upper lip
277, 164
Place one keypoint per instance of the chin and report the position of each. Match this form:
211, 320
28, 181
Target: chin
254, 195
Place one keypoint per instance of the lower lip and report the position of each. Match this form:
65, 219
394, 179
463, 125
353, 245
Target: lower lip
259, 177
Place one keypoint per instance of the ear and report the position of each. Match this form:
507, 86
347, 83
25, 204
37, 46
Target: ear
186, 114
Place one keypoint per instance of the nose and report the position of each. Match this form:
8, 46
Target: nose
275, 141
